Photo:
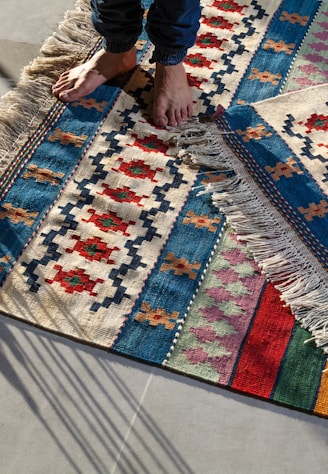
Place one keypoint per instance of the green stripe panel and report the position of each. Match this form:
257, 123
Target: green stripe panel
300, 374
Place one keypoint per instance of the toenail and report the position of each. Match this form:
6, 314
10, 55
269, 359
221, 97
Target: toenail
160, 121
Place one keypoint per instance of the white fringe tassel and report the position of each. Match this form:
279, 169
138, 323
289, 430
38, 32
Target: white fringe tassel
23, 108
288, 264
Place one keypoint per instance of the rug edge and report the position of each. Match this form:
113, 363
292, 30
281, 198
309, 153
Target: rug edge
24, 107
238, 200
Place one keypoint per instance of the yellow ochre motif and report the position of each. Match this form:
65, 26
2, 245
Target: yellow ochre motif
158, 316
67, 138
294, 18
18, 214
315, 210
254, 133
201, 221
284, 169
43, 175
5, 259
265, 76
279, 46
90, 103
180, 266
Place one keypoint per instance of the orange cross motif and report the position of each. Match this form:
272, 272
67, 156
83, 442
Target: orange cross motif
67, 138
202, 221
265, 76
284, 169
254, 133
90, 103
158, 316
18, 214
315, 210
43, 175
180, 266
279, 46
294, 18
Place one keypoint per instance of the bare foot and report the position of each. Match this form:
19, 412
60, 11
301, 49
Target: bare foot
84, 79
172, 96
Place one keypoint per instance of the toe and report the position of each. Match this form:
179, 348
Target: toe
178, 117
69, 95
159, 115
59, 88
172, 121
184, 115
161, 121
64, 97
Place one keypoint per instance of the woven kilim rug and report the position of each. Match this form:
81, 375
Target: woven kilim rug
202, 250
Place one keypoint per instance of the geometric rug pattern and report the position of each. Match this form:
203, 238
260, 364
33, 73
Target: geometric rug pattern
105, 237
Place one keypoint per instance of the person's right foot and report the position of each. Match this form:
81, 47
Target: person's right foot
172, 96
84, 79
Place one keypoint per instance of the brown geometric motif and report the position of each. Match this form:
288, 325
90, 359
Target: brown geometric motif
158, 316
90, 104
294, 18
265, 76
201, 221
279, 46
4, 259
315, 210
213, 178
67, 138
140, 44
254, 133
180, 266
17, 215
43, 175
284, 169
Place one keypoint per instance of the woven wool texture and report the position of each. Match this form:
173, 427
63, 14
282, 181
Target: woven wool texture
107, 237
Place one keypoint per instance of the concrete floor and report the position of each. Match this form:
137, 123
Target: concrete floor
67, 408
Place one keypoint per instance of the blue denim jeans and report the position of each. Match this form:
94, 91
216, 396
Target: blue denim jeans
172, 26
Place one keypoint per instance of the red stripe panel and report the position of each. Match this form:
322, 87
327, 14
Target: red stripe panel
264, 347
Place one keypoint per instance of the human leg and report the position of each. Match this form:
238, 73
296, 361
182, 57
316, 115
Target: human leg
172, 28
120, 23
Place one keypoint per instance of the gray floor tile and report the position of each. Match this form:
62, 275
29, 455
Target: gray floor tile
31, 21
24, 27
210, 431
13, 55
65, 407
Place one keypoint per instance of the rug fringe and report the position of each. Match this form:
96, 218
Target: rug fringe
292, 269
24, 107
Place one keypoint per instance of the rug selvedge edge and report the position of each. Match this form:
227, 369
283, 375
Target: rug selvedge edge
236, 196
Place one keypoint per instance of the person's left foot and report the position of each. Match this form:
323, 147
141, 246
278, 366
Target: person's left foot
84, 79
172, 96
